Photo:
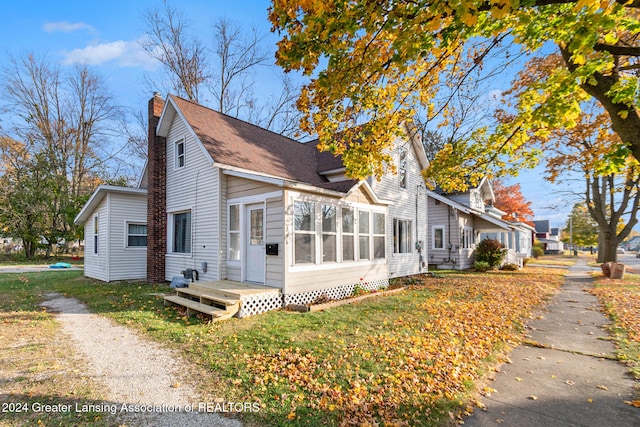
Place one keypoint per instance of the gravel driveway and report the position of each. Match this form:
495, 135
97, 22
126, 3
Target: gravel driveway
140, 375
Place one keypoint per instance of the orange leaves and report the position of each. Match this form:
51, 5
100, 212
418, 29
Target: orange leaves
424, 347
622, 302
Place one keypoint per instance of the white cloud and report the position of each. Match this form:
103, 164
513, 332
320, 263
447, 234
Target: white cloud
123, 53
66, 27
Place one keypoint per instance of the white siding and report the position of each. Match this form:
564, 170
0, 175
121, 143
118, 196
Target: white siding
275, 234
126, 263
404, 208
95, 265
194, 187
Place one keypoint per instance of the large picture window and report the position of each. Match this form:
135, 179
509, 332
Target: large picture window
136, 235
305, 232
182, 232
401, 236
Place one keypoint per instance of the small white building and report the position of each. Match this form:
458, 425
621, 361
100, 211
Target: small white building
115, 232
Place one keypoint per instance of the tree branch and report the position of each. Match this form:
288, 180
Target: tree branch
617, 50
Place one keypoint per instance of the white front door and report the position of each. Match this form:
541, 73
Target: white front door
255, 259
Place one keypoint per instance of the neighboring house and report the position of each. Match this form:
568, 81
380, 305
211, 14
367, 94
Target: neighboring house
548, 237
236, 202
459, 221
115, 232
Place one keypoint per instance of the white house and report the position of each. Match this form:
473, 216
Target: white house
115, 230
232, 201
459, 221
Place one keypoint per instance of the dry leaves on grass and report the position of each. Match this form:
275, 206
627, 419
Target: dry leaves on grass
395, 375
622, 302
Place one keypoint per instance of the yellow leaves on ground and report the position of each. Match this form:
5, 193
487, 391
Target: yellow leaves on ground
426, 351
622, 302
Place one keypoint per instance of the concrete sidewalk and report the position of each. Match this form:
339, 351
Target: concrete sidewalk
571, 379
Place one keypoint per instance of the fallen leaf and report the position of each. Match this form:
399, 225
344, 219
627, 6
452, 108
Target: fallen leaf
603, 387
532, 397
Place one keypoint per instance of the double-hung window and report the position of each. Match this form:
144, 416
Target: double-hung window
379, 232
136, 235
329, 233
182, 232
348, 235
401, 236
304, 219
364, 238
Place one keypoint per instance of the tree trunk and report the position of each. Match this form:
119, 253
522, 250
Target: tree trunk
607, 246
29, 249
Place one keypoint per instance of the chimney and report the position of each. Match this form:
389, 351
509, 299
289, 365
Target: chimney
156, 194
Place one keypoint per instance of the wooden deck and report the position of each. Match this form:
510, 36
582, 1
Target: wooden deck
220, 299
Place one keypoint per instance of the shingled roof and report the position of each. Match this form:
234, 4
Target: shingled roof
233, 142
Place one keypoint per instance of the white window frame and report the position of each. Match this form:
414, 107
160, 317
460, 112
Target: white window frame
433, 237
347, 234
329, 233
378, 235
399, 249
237, 232
313, 232
467, 240
128, 234
180, 159
188, 234
96, 233
402, 167
341, 235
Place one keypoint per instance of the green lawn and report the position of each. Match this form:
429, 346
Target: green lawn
405, 359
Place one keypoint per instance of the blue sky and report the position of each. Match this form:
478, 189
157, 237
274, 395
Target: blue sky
106, 34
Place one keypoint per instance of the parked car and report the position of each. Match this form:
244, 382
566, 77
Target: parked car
621, 251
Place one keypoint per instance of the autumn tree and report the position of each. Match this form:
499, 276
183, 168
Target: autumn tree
509, 199
372, 63
581, 229
62, 121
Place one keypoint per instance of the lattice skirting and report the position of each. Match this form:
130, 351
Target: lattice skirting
336, 293
260, 303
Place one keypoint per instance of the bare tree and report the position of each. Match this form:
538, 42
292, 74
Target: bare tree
63, 120
237, 56
181, 53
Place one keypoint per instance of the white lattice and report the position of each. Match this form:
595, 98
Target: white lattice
260, 303
336, 293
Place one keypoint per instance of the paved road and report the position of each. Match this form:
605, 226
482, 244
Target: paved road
569, 378
32, 268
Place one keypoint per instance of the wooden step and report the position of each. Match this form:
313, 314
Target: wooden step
225, 293
209, 295
214, 312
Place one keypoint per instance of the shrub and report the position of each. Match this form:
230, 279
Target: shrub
481, 266
491, 251
537, 250
510, 267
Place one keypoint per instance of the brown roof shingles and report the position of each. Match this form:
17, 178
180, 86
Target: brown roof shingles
234, 142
